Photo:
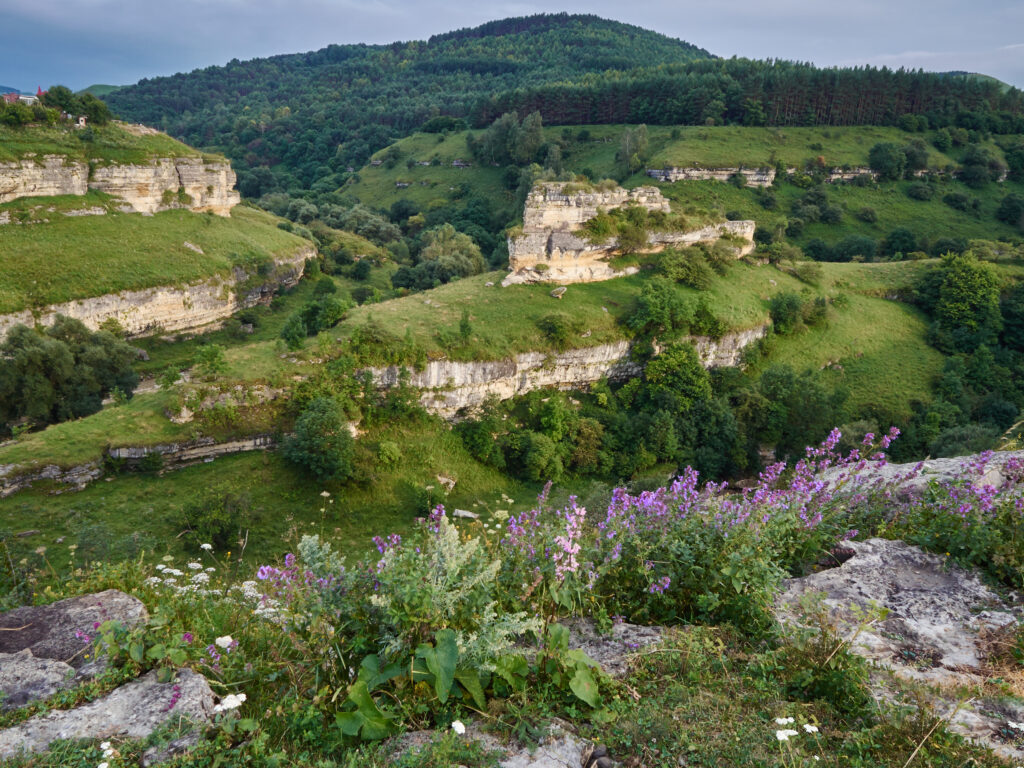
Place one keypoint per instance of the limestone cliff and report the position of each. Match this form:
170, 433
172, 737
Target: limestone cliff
549, 250
160, 184
171, 308
449, 386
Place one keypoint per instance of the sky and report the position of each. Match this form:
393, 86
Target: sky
82, 42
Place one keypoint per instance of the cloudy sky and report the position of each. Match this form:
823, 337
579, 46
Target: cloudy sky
81, 42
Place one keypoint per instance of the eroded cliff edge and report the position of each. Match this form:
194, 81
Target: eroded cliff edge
550, 248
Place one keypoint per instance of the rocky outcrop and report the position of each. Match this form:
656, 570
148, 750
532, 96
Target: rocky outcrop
25, 678
753, 177
195, 183
549, 250
934, 629
450, 386
164, 183
993, 468
12, 480
171, 308
133, 711
44, 176
60, 630
200, 450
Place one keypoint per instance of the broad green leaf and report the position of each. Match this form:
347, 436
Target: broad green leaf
157, 652
137, 651
349, 722
442, 662
376, 724
585, 687
371, 673
513, 670
580, 657
558, 637
470, 680
177, 656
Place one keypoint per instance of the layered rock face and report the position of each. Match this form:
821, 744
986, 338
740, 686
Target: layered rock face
51, 175
549, 250
165, 183
754, 177
451, 386
169, 308
162, 184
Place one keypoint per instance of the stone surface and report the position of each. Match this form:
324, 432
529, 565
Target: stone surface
549, 250
559, 748
169, 308
615, 650
25, 678
165, 183
939, 616
44, 176
981, 471
132, 711
450, 386
49, 630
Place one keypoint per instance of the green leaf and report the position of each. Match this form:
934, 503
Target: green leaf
577, 657
470, 680
247, 725
349, 722
177, 656
137, 652
558, 637
585, 687
442, 662
513, 670
375, 725
164, 675
371, 673
157, 652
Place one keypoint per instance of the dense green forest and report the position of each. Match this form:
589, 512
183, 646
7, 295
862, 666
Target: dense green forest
305, 121
308, 116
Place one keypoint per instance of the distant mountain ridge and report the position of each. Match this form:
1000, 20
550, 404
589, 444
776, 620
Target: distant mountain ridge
8, 89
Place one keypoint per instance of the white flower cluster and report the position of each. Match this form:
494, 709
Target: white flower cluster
232, 700
458, 727
785, 733
225, 643
195, 566
207, 547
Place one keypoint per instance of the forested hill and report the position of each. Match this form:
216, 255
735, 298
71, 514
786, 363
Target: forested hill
310, 115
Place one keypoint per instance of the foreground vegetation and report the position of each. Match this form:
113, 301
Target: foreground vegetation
334, 654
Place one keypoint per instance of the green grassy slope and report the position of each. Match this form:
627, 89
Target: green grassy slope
111, 144
74, 257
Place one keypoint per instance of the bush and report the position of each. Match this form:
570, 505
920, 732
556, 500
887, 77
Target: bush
855, 247
688, 267
957, 200
786, 310
294, 331
900, 240
322, 444
867, 215
210, 360
559, 328
920, 190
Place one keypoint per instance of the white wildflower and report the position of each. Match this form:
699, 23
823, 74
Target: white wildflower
1015, 726
211, 569
325, 494
784, 720
161, 567
104, 745
223, 642
195, 566
167, 558
104, 764
784, 735
153, 580
229, 702
458, 727
207, 547
200, 578
810, 728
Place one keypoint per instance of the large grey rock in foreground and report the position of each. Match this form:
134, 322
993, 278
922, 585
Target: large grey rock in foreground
132, 711
939, 618
49, 630
24, 678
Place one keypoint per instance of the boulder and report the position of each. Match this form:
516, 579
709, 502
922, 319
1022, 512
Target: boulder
133, 711
25, 678
614, 650
939, 621
49, 631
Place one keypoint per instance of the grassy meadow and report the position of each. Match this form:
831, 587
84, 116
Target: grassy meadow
110, 145
96, 255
